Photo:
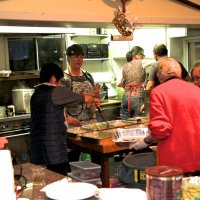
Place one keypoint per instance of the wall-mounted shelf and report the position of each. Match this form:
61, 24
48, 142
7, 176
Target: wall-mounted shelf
20, 77
119, 58
96, 59
88, 35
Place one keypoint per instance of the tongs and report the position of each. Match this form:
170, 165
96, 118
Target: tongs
103, 117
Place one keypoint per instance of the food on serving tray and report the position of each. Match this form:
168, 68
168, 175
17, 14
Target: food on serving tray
129, 134
103, 126
76, 130
120, 123
97, 126
96, 135
128, 138
191, 188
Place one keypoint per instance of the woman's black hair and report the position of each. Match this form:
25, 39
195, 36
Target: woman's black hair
129, 56
136, 50
48, 70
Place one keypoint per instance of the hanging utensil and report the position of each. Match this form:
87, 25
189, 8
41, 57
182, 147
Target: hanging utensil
103, 117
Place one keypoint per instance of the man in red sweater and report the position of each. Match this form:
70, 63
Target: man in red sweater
174, 119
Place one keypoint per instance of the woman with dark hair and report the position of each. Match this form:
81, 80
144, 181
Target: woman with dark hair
81, 82
48, 143
131, 79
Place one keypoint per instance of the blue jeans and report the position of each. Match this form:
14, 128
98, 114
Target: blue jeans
135, 102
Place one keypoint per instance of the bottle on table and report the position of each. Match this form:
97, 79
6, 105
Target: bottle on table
105, 89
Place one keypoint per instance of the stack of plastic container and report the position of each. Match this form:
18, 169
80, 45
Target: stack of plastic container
85, 171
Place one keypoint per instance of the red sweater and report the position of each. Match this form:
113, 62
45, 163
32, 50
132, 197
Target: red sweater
175, 122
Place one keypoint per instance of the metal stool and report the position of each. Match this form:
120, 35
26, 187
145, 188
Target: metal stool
140, 162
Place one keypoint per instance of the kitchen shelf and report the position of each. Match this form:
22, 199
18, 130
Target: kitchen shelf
20, 77
96, 59
119, 58
88, 35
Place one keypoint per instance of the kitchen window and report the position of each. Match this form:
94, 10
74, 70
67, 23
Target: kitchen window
22, 54
193, 53
29, 54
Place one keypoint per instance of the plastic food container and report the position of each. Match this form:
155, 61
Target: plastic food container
85, 171
163, 182
78, 178
126, 136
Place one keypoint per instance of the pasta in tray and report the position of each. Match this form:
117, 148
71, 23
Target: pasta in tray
191, 188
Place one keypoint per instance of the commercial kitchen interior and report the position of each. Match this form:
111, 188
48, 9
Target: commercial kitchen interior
159, 21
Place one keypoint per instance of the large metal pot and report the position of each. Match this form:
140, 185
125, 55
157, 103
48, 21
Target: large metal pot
21, 100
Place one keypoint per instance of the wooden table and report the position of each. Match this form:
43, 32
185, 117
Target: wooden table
33, 192
105, 149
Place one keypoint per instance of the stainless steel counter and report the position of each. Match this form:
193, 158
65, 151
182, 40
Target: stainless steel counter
16, 117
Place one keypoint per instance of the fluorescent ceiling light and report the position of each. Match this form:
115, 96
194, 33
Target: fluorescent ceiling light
25, 29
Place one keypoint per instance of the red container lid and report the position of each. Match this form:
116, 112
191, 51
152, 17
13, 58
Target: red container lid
164, 171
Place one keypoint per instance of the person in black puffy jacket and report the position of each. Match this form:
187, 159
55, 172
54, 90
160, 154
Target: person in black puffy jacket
48, 144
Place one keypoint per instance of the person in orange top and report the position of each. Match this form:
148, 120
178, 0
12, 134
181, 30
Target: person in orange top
195, 74
174, 120
3, 142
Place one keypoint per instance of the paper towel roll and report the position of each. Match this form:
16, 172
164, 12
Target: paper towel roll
7, 188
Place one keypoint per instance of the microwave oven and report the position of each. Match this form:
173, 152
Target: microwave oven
95, 50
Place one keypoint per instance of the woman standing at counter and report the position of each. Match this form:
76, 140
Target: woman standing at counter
174, 119
81, 82
132, 78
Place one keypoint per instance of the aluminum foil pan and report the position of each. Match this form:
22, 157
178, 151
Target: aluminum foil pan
124, 137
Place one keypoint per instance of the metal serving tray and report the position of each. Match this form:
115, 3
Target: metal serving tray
96, 137
103, 126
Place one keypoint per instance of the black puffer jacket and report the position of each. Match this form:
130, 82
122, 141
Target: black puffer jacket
48, 133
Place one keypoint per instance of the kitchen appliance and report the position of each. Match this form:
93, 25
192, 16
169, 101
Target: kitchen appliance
21, 100
17, 129
2, 111
84, 47
93, 51
104, 50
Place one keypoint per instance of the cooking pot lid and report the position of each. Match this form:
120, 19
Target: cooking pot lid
164, 171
